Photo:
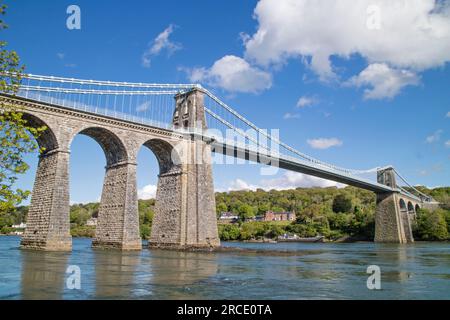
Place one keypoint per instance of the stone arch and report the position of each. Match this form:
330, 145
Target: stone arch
402, 204
167, 156
411, 208
113, 147
417, 208
47, 140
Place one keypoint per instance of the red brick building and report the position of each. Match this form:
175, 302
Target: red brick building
279, 216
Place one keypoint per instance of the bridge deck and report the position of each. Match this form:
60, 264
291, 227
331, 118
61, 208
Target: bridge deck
247, 153
296, 165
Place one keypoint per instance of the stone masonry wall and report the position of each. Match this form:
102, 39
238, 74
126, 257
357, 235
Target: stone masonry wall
118, 219
388, 224
48, 217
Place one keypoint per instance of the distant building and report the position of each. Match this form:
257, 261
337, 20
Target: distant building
279, 216
19, 226
92, 222
228, 217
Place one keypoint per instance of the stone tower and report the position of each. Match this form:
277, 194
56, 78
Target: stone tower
185, 213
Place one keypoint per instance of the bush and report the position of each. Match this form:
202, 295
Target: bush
341, 203
302, 230
252, 230
83, 231
229, 232
431, 226
6, 230
145, 231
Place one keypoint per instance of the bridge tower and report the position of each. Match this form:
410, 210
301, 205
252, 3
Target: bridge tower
185, 212
392, 221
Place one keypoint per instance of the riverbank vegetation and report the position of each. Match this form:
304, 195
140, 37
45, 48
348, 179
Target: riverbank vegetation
338, 214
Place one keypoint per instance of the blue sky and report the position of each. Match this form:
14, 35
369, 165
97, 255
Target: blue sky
358, 87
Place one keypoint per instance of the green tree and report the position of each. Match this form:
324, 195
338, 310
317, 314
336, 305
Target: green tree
17, 137
246, 211
229, 232
342, 203
221, 207
431, 225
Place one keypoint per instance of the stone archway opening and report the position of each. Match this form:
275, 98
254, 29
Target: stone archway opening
47, 140
402, 204
157, 161
116, 225
417, 208
87, 171
411, 209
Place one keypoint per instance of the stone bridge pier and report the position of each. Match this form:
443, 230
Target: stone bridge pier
185, 216
395, 212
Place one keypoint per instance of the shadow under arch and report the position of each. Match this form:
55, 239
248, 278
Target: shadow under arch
402, 205
411, 208
47, 139
166, 155
112, 146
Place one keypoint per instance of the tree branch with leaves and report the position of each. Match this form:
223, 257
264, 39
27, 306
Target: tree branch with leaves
17, 136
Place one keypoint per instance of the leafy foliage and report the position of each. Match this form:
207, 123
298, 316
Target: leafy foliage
432, 225
17, 137
341, 203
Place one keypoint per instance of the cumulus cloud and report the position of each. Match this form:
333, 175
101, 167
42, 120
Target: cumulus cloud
306, 101
384, 82
233, 74
324, 143
447, 143
143, 106
434, 137
408, 36
289, 180
147, 192
290, 115
159, 44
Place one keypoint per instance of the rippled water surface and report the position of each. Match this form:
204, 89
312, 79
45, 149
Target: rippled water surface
260, 271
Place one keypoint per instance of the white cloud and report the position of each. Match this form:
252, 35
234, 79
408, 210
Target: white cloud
384, 82
160, 43
413, 35
447, 143
233, 74
60, 55
289, 180
434, 137
289, 115
143, 106
324, 143
147, 192
306, 101
447, 115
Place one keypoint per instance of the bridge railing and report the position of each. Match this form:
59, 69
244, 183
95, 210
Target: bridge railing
152, 104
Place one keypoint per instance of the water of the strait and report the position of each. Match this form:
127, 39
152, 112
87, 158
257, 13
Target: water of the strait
259, 271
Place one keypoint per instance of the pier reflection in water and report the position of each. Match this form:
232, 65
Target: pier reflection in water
43, 274
256, 271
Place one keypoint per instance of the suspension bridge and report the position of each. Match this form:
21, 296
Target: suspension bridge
122, 116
